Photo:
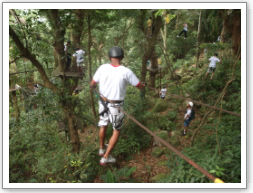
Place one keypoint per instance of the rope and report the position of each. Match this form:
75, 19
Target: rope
203, 171
176, 96
28, 71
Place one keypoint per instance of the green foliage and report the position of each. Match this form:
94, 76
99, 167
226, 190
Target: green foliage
119, 176
172, 115
160, 106
214, 47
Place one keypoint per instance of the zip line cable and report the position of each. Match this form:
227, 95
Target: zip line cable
203, 171
176, 96
28, 71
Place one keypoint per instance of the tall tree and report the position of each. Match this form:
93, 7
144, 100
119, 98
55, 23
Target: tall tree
68, 83
236, 33
89, 62
150, 43
225, 28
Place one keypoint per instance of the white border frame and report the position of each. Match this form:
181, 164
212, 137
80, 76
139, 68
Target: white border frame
117, 5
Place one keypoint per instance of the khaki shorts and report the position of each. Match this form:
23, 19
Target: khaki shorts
211, 70
79, 64
113, 115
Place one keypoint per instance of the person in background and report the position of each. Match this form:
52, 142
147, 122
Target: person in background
218, 39
68, 50
212, 65
187, 117
163, 92
113, 79
79, 55
185, 29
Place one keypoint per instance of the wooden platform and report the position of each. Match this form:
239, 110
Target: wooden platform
149, 68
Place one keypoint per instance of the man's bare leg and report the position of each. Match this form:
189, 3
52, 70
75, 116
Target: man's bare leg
102, 134
112, 142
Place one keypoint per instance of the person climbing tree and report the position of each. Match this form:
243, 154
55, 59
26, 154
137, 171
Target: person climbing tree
68, 50
188, 117
185, 26
79, 55
149, 23
163, 92
113, 80
212, 65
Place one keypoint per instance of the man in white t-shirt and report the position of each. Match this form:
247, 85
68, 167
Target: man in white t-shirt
163, 92
113, 80
79, 55
212, 65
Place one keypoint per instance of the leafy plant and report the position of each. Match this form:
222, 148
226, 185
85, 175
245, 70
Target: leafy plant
119, 176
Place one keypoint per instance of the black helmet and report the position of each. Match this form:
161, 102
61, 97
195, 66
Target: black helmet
216, 54
116, 52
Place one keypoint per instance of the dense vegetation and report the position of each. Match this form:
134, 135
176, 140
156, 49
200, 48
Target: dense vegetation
54, 134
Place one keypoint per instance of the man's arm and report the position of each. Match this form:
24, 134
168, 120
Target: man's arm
93, 84
188, 115
141, 85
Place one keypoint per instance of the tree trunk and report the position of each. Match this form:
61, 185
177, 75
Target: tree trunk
198, 40
59, 30
89, 61
236, 33
78, 27
225, 27
15, 105
176, 26
154, 65
165, 33
56, 61
72, 129
150, 46
77, 31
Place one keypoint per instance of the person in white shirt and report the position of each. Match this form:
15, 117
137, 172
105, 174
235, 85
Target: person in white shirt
185, 29
212, 65
187, 117
79, 55
163, 92
113, 80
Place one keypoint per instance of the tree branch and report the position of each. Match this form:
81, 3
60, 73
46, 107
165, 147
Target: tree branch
10, 62
20, 23
27, 54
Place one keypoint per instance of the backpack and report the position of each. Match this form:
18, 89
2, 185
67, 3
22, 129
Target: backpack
192, 115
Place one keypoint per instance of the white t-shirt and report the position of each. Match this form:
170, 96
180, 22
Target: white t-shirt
113, 81
79, 56
185, 27
213, 61
188, 112
163, 91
